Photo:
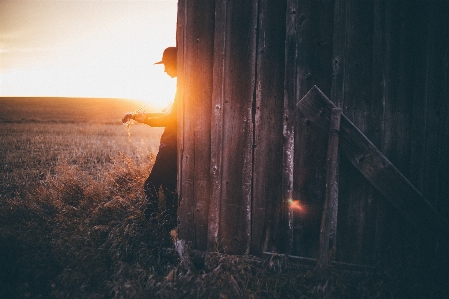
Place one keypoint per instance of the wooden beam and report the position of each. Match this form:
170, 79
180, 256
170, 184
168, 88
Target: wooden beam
377, 169
329, 218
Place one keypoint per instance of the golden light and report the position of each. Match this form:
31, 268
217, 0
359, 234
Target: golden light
88, 49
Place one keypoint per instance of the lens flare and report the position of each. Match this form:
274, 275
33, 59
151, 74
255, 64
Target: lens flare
296, 205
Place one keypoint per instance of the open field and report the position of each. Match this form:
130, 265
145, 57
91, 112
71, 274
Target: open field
36, 135
30, 151
63, 110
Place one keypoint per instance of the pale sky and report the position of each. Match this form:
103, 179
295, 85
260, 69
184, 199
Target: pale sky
87, 48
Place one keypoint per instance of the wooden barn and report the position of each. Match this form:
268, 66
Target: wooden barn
314, 128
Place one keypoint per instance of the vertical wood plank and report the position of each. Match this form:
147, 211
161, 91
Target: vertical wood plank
217, 123
352, 91
285, 232
404, 117
268, 111
186, 158
443, 169
379, 95
415, 87
436, 99
388, 224
338, 53
314, 23
238, 124
185, 188
202, 92
196, 73
329, 217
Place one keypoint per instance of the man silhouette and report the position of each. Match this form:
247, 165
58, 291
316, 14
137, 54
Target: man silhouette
163, 176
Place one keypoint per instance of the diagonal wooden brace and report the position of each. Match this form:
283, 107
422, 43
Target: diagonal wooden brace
377, 169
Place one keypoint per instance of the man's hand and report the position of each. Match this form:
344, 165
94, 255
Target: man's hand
139, 117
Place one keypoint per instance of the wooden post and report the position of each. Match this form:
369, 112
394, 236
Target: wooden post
329, 218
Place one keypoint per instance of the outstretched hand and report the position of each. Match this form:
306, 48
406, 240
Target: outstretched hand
139, 117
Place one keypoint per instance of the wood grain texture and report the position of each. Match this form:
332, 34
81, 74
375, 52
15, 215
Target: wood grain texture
195, 63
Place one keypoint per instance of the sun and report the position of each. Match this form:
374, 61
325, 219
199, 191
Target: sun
89, 51
159, 89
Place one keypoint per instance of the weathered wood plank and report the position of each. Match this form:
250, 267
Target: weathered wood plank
196, 51
443, 85
338, 55
200, 210
202, 56
284, 234
436, 86
237, 81
314, 27
378, 94
329, 217
268, 112
309, 188
351, 91
184, 185
386, 78
217, 119
376, 167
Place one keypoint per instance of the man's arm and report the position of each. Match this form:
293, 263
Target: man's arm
162, 121
140, 117
152, 119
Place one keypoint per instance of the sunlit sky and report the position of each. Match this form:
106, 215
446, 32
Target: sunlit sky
87, 48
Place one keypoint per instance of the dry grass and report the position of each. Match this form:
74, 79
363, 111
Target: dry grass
29, 152
36, 134
76, 236
73, 236
72, 226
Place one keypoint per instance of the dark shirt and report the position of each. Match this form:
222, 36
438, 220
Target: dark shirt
164, 170
167, 121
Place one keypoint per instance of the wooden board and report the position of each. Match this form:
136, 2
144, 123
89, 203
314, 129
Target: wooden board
308, 62
352, 92
268, 112
233, 125
195, 62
